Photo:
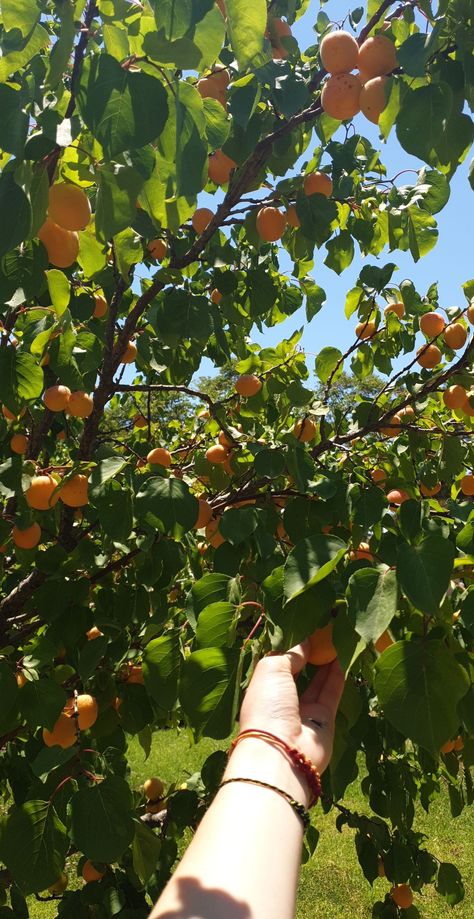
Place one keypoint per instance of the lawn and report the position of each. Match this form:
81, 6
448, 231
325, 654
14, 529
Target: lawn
332, 884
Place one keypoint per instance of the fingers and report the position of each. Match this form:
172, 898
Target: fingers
297, 657
313, 689
332, 688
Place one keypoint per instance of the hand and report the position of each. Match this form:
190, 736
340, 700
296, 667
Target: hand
271, 703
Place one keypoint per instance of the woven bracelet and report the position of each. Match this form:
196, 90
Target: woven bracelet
299, 760
298, 808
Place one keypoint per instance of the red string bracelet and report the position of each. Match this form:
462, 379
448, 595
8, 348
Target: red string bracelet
299, 760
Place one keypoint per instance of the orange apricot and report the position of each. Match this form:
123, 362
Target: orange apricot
378, 475
362, 552
428, 356
467, 408
56, 398
60, 885
270, 224
292, 217
248, 384
339, 52
201, 219
216, 296
397, 308
392, 429
455, 336
373, 98
321, 648
153, 789
454, 396
129, 354
101, 306
159, 456
305, 430
458, 744
383, 642
447, 747
28, 538
135, 674
377, 56
213, 536
9, 416
210, 89
63, 733
21, 679
87, 710
278, 29
397, 496
220, 167
402, 895
69, 207
430, 492
62, 246
89, 873
204, 514
318, 183
93, 633
40, 495
217, 454
365, 329
80, 404
432, 324
19, 444
467, 484
73, 492
140, 421
158, 249
470, 314
340, 96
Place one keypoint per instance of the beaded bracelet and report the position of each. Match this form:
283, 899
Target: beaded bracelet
299, 760
298, 808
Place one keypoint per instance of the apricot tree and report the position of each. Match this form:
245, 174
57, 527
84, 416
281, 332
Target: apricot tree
147, 559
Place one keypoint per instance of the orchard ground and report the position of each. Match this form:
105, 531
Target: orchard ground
331, 882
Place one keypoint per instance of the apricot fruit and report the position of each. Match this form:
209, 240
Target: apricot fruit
305, 430
447, 747
454, 396
270, 224
62, 246
19, 444
318, 183
402, 895
383, 642
220, 167
365, 329
339, 52
340, 96
397, 496
432, 324
40, 495
467, 484
60, 885
278, 29
248, 385
292, 217
27, 538
430, 492
467, 408
89, 873
159, 456
73, 491
217, 454
373, 98
458, 744
153, 789
216, 296
129, 354
470, 314
56, 398
87, 710
135, 674
455, 336
63, 734
225, 441
393, 428
378, 476
201, 219
69, 207
93, 633
362, 552
204, 514
101, 306
209, 89
213, 535
397, 308
321, 648
428, 356
158, 249
80, 404
9, 416
140, 421
377, 56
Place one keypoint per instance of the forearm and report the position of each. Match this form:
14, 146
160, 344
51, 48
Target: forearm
244, 860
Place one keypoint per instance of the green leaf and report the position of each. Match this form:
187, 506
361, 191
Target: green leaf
369, 507
449, 884
311, 561
20, 14
14, 121
33, 845
8, 691
59, 290
424, 572
422, 232
436, 189
414, 53
175, 17
419, 684
237, 524
316, 214
136, 712
208, 690
117, 191
161, 664
372, 601
217, 124
123, 110
246, 23
102, 825
41, 702
340, 252
184, 139
16, 60
214, 625
431, 106
103, 472
21, 378
146, 847
15, 203
326, 362
170, 501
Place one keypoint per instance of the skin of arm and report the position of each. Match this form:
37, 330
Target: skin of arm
243, 862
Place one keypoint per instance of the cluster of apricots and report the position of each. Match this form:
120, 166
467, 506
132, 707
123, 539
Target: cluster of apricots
79, 714
345, 93
60, 399
69, 211
153, 790
454, 335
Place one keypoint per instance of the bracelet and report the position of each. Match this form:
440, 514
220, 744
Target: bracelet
299, 760
298, 808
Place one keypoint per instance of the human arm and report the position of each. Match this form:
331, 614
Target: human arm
243, 862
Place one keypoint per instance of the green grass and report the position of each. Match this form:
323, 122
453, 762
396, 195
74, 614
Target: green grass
332, 884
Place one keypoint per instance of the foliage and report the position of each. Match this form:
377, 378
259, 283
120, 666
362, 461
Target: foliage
118, 100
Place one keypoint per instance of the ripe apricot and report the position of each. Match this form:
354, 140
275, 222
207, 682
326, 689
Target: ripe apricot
318, 183
378, 475
305, 430
101, 306
467, 484
89, 873
402, 895
62, 246
362, 552
28, 538
213, 536
135, 674
69, 206
20, 678
470, 314
87, 710
129, 354
467, 408
339, 52
455, 336
63, 733
56, 398
393, 428
397, 308
216, 296
159, 456
9, 416
365, 329
397, 496
153, 789
248, 384
383, 642
73, 492
220, 167
60, 885
39, 495
225, 441
432, 324
428, 356
458, 744
292, 217
430, 492
447, 747
454, 397
209, 89
93, 633
278, 29
221, 77
377, 56
204, 514
19, 444
201, 219
158, 249
270, 224
340, 96
80, 404
217, 454
321, 648
373, 98
405, 413
140, 421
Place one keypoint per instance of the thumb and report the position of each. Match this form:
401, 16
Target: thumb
297, 657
